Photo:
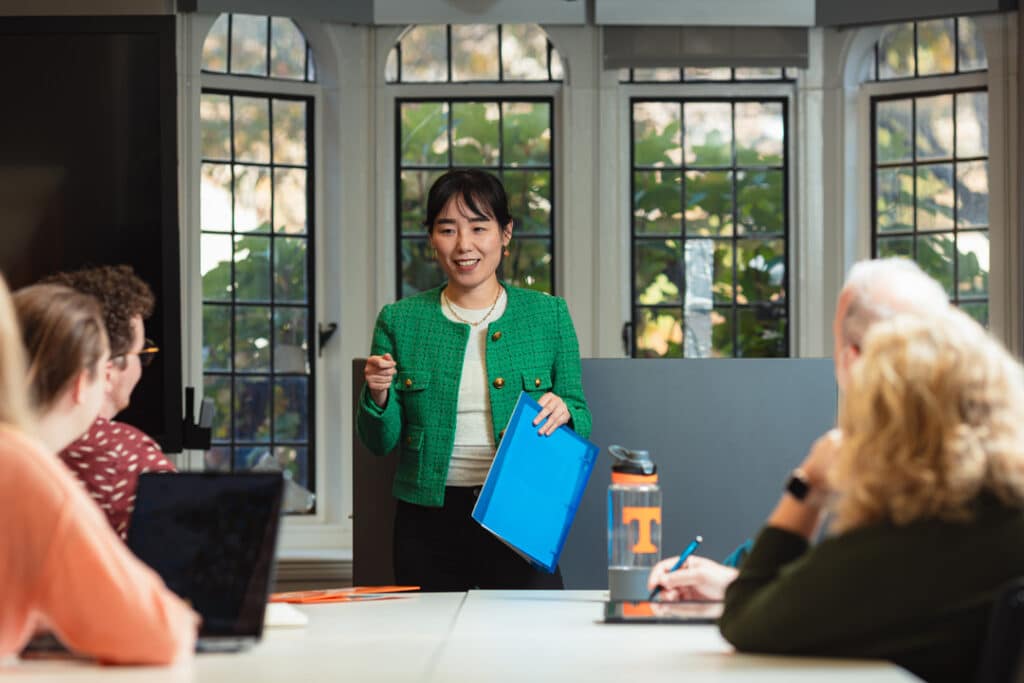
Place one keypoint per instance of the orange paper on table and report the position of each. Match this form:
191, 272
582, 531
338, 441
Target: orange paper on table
353, 594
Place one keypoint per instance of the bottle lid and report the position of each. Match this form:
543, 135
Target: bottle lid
631, 462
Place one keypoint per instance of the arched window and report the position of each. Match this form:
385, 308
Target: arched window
256, 247
930, 155
710, 216
510, 136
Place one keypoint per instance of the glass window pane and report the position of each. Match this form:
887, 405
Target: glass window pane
934, 129
215, 47
557, 72
475, 139
215, 118
656, 134
896, 52
252, 410
413, 199
474, 52
217, 459
529, 200
759, 133
762, 332
252, 129
420, 271
657, 202
721, 283
760, 271
291, 340
972, 194
290, 132
709, 208
658, 271
935, 256
252, 199
524, 52
215, 255
249, 44
977, 310
252, 339
972, 259
287, 49
218, 387
290, 200
425, 54
215, 197
252, 268
526, 130
894, 122
656, 75
894, 204
708, 135
722, 327
216, 337
895, 246
972, 124
705, 74
758, 74
971, 47
936, 51
291, 396
291, 267
935, 197
760, 199
294, 462
391, 67
424, 134
528, 264
659, 333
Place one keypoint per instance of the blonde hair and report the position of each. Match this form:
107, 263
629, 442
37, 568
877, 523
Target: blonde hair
933, 416
14, 404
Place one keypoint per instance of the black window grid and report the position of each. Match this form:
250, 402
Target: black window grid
448, 64
783, 77
308, 68
498, 169
232, 304
777, 311
876, 71
914, 164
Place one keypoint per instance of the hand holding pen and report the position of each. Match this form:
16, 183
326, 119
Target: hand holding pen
683, 556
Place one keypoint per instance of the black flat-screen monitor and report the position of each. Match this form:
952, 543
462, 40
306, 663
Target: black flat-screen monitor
88, 172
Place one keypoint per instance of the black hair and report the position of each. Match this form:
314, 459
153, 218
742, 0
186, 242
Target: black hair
482, 193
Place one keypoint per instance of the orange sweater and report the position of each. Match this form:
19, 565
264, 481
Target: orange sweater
63, 567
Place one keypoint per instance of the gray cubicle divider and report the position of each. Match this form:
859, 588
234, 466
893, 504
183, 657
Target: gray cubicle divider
725, 434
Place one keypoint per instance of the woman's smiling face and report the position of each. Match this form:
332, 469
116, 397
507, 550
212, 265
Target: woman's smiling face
469, 245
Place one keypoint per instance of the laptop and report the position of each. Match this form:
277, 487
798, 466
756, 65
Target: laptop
212, 537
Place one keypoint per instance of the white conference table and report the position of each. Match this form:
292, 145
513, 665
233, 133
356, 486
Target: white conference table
476, 636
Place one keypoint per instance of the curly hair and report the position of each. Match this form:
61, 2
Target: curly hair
933, 417
121, 294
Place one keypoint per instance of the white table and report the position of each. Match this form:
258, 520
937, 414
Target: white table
479, 636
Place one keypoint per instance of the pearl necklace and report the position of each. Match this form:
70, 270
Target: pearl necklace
471, 323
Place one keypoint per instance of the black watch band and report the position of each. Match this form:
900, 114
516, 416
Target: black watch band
797, 485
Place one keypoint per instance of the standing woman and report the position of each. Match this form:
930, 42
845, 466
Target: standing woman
446, 368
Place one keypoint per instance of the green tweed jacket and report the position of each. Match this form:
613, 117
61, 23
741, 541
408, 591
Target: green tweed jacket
532, 347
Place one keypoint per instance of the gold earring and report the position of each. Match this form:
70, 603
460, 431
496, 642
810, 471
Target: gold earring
507, 252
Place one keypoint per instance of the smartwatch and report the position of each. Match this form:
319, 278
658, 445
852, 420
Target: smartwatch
797, 486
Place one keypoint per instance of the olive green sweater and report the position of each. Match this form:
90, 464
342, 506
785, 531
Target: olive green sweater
919, 594
532, 347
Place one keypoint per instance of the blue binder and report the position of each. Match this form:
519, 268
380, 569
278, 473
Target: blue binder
534, 486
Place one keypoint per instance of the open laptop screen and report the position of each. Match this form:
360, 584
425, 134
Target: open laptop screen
212, 538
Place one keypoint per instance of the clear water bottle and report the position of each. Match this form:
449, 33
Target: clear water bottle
634, 523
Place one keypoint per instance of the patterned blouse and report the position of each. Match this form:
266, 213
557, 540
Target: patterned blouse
107, 460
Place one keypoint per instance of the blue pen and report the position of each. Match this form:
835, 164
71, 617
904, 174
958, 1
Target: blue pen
679, 563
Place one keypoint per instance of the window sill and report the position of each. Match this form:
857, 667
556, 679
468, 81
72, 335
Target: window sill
310, 569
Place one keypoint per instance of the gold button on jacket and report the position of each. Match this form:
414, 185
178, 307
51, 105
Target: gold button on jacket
499, 383
496, 336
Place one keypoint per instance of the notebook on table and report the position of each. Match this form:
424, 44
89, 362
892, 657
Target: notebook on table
212, 537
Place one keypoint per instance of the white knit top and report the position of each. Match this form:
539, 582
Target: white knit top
474, 434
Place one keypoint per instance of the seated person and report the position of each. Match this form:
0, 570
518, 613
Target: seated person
110, 456
925, 479
64, 568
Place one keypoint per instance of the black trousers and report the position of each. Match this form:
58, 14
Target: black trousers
444, 549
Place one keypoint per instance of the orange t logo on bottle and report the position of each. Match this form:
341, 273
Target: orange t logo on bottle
644, 517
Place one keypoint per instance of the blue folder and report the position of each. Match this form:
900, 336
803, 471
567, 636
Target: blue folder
534, 486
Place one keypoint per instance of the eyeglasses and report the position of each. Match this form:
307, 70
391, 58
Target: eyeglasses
146, 355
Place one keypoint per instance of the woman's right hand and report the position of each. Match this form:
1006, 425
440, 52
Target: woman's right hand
698, 579
378, 371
